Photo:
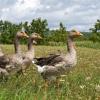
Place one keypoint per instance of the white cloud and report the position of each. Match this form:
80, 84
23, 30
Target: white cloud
80, 14
23, 5
20, 9
5, 10
70, 10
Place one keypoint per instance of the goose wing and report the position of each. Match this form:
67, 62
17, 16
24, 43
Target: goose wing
51, 60
4, 60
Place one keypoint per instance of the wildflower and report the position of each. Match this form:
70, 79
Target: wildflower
82, 86
88, 78
62, 80
63, 75
97, 87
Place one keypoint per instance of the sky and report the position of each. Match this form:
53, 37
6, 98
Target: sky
79, 14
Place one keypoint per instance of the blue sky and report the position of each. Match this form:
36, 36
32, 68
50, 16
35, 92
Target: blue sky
80, 14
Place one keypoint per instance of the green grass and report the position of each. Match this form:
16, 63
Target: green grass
82, 83
88, 44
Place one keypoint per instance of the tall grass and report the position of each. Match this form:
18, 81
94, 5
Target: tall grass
82, 83
88, 44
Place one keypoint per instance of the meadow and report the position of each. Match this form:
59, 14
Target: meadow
82, 83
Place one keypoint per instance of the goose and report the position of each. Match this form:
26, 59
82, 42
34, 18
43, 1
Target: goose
54, 65
29, 55
7, 63
32, 40
17, 57
16, 60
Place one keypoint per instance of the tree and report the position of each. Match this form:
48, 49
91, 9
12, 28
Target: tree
60, 34
57, 36
95, 35
8, 31
40, 26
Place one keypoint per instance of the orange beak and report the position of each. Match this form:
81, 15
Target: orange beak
25, 35
39, 37
81, 34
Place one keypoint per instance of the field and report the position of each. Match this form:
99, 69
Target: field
82, 83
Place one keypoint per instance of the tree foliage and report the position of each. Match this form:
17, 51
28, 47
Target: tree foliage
8, 29
58, 35
40, 26
95, 36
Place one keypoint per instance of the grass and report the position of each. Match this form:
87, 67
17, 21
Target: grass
88, 44
82, 83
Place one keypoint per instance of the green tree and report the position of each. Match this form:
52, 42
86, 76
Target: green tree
40, 26
8, 31
57, 36
95, 35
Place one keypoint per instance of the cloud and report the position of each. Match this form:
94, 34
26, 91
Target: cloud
6, 3
81, 14
20, 10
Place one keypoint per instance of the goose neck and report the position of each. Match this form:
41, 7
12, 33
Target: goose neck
30, 44
70, 45
16, 45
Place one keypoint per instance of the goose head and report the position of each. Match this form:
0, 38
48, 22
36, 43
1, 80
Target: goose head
22, 34
75, 33
34, 37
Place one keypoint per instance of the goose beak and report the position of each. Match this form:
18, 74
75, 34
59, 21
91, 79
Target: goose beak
81, 34
25, 35
40, 37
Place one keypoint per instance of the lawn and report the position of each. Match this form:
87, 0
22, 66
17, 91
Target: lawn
82, 83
